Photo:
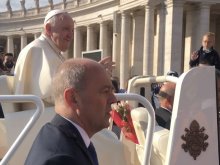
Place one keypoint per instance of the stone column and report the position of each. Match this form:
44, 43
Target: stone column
173, 59
190, 35
159, 41
124, 58
116, 44
90, 44
148, 40
23, 41
77, 43
137, 43
10, 44
203, 22
103, 38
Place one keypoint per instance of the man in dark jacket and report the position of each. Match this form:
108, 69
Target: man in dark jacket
83, 95
166, 98
206, 55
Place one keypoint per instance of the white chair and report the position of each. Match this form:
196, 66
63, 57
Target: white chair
140, 120
7, 88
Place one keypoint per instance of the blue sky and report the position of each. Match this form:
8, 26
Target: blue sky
15, 4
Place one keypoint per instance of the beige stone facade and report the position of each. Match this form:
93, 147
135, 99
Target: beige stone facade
144, 37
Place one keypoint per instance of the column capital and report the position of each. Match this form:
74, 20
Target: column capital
152, 3
176, 3
23, 34
103, 23
137, 13
125, 13
10, 36
205, 5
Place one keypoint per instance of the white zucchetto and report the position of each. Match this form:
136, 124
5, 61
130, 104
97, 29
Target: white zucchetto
53, 13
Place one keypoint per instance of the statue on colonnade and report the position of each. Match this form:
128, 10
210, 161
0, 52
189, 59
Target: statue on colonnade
8, 5
51, 4
22, 2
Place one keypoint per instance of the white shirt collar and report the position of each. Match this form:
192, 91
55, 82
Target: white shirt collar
82, 132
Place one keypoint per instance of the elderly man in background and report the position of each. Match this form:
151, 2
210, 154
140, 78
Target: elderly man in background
166, 98
38, 61
83, 95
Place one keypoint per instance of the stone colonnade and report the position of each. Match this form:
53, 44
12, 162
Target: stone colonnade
15, 43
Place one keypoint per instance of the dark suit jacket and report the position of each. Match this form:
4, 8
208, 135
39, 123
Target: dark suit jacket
163, 117
59, 143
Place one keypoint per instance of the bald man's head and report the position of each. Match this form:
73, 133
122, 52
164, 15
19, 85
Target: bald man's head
166, 95
75, 73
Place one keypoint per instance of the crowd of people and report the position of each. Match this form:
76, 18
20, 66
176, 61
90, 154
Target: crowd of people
82, 91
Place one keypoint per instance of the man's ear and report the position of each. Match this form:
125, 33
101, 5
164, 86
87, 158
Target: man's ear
48, 29
70, 97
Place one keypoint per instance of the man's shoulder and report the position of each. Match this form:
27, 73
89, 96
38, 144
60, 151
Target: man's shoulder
35, 43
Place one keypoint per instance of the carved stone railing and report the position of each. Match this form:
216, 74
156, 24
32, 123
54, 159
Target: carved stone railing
24, 12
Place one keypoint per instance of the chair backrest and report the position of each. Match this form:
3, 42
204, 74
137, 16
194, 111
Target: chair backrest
193, 138
140, 120
7, 88
160, 140
3, 138
15, 122
109, 149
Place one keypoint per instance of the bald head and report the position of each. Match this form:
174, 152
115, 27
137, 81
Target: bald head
168, 88
75, 73
166, 95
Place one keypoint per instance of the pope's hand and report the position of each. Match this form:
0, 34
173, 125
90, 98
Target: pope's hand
108, 64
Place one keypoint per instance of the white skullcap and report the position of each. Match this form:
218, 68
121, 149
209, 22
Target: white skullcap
53, 13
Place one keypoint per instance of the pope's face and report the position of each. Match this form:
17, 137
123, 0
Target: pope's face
62, 32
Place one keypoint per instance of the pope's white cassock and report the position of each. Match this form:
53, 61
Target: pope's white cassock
35, 67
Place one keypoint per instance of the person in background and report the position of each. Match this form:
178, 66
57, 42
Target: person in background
8, 63
166, 98
155, 88
1, 63
206, 55
115, 85
83, 95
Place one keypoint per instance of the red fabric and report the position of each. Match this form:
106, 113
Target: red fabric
123, 120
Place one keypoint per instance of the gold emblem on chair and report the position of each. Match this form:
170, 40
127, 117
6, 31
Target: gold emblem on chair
195, 139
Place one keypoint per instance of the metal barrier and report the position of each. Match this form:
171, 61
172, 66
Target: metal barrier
22, 98
151, 123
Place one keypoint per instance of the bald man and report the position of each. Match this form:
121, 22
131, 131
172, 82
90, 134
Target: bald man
83, 95
166, 97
